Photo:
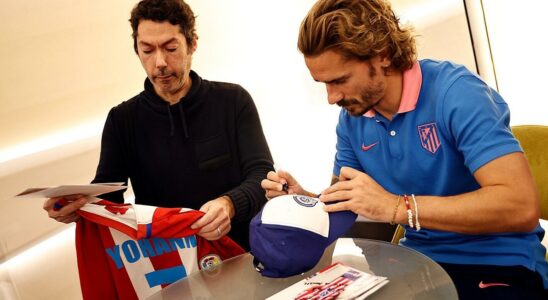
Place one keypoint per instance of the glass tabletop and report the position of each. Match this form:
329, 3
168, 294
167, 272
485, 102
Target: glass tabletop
411, 275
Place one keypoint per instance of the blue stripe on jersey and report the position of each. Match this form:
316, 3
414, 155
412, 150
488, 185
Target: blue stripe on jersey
149, 230
165, 276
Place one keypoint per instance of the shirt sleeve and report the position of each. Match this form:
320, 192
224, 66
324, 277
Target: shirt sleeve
478, 120
112, 165
345, 155
255, 160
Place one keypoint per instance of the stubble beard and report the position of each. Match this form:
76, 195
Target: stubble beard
370, 98
170, 85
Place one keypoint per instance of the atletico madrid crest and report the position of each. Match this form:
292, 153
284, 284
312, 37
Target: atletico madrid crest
428, 135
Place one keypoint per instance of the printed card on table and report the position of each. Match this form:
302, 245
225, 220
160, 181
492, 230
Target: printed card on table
337, 281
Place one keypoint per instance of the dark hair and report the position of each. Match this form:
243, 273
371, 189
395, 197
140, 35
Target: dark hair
357, 29
176, 12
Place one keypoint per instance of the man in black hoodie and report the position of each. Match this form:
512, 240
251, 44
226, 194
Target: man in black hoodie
183, 141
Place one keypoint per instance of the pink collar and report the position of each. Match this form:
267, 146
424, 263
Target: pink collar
412, 80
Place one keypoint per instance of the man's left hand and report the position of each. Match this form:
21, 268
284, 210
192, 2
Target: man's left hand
216, 221
358, 192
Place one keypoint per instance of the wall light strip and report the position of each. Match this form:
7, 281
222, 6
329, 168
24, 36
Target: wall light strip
37, 251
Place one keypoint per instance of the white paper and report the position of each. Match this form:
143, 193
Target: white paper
93, 189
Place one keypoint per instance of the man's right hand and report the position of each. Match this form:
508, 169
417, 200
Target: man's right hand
274, 182
63, 209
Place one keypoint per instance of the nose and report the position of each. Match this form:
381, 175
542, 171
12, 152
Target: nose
333, 95
160, 60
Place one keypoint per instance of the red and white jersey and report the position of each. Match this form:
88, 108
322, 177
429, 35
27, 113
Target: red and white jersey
131, 251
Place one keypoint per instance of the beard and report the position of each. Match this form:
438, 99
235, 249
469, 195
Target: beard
370, 96
354, 107
168, 81
163, 73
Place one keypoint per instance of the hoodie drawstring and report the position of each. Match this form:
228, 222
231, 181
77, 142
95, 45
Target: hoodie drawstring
183, 119
170, 120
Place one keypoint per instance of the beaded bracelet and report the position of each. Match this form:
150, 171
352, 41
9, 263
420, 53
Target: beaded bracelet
395, 210
418, 225
409, 211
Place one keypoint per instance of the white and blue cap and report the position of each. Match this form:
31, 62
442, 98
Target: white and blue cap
291, 232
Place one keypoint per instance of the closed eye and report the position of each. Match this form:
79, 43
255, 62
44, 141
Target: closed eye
338, 81
147, 50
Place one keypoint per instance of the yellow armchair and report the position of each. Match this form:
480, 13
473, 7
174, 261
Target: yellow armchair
534, 141
398, 234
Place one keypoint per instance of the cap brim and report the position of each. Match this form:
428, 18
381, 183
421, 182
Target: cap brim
339, 223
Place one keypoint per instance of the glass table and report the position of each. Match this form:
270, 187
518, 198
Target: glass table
411, 275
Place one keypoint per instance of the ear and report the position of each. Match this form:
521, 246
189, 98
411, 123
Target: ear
193, 46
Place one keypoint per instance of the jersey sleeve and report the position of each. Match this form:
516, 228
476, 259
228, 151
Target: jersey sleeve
477, 118
345, 155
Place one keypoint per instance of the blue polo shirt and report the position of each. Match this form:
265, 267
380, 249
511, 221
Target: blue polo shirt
449, 124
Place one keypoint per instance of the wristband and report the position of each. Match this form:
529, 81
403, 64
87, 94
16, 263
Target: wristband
409, 211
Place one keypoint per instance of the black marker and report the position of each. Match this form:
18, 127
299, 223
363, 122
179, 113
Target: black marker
285, 187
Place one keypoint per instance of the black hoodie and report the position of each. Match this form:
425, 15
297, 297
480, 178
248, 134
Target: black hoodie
209, 144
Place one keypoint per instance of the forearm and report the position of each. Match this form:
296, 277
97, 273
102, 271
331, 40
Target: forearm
254, 158
248, 198
472, 213
511, 205
112, 165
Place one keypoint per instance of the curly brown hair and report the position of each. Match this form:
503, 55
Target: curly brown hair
176, 12
358, 29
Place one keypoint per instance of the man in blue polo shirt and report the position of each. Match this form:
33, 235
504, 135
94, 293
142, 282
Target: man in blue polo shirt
425, 144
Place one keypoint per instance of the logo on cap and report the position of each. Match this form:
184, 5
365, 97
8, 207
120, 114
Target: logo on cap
305, 201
